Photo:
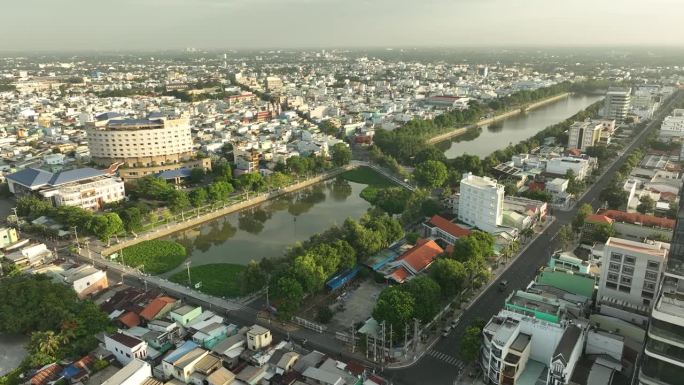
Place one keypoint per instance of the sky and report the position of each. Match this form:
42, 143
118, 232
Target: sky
103, 25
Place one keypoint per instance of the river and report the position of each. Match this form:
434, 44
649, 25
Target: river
515, 128
269, 228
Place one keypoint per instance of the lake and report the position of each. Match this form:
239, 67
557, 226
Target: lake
268, 229
516, 128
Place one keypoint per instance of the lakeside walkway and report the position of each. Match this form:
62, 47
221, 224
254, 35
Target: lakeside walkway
462, 130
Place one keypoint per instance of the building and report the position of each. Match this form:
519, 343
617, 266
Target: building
87, 188
273, 83
629, 278
441, 228
144, 146
135, 372
8, 236
86, 280
481, 202
560, 166
617, 103
663, 356
414, 261
29, 256
181, 363
126, 348
158, 308
582, 135
673, 125
184, 314
258, 338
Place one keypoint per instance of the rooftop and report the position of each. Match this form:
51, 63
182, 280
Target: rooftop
656, 249
126, 372
126, 340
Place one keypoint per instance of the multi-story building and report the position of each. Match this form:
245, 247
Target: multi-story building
481, 202
673, 125
144, 146
86, 280
584, 134
135, 372
258, 337
617, 103
559, 166
630, 274
126, 348
87, 188
663, 356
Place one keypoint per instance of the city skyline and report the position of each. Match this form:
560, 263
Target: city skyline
260, 24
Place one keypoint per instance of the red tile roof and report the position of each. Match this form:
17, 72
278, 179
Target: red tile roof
153, 308
130, 319
422, 254
598, 218
46, 374
400, 274
451, 228
536, 186
646, 220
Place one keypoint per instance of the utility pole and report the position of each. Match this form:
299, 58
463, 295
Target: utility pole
353, 337
389, 353
416, 334
406, 328
87, 245
187, 265
16, 218
78, 244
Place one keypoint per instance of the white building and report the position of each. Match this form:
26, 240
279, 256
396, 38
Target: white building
673, 125
258, 337
584, 134
560, 166
86, 280
629, 278
126, 348
87, 188
617, 103
135, 372
481, 202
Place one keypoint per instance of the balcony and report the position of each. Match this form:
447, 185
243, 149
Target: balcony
509, 371
661, 372
667, 331
666, 350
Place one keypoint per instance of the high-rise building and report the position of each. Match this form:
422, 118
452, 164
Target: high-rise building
584, 134
663, 356
617, 103
481, 202
144, 146
629, 278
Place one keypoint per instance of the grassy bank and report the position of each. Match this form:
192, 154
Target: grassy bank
366, 175
157, 256
218, 279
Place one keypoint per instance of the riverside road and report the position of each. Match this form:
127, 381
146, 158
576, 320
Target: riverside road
440, 365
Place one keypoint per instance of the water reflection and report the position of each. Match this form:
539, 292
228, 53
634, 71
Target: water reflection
268, 229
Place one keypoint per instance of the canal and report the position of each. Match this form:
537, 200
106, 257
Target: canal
268, 229
490, 138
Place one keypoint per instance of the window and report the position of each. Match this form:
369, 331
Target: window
627, 270
650, 286
653, 265
646, 294
617, 257
629, 260
612, 277
614, 266
626, 280
625, 289
611, 285
652, 276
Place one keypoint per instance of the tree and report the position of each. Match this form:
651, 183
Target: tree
392, 199
396, 307
601, 232
329, 128
673, 210
430, 153
107, 225
431, 173
198, 197
565, 236
278, 180
219, 191
324, 315
132, 219
289, 294
426, 292
178, 201
584, 210
449, 275
252, 181
197, 175
614, 196
470, 343
253, 278
646, 205
341, 154
308, 273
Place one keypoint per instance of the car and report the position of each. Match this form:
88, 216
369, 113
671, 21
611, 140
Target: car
446, 331
455, 322
503, 284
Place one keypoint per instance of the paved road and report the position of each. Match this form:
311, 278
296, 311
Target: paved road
441, 365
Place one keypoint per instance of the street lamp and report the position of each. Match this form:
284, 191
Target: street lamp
78, 244
187, 265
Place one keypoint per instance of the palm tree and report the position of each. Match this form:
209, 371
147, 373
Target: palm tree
46, 343
526, 233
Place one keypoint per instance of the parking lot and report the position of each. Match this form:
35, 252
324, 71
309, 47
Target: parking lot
356, 304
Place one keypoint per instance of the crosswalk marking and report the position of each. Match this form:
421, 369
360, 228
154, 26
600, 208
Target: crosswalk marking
446, 358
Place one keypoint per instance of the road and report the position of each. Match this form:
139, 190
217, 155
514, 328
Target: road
441, 364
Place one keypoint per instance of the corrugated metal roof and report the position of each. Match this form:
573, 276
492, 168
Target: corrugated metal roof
31, 177
75, 175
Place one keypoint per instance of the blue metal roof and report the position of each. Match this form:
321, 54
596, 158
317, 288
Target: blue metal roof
107, 116
75, 175
181, 351
177, 173
31, 177
133, 122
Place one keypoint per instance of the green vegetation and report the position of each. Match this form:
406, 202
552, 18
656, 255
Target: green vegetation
157, 256
368, 176
470, 343
59, 324
218, 279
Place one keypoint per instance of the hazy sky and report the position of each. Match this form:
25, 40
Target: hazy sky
168, 24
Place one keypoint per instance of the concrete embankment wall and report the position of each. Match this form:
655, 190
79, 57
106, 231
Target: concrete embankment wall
505, 115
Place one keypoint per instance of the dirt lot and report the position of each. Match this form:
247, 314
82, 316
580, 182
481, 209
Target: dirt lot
357, 304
